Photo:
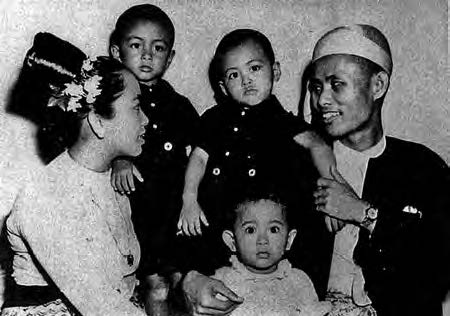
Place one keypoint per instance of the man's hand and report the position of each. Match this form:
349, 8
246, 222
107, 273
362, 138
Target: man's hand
201, 292
122, 176
191, 217
336, 198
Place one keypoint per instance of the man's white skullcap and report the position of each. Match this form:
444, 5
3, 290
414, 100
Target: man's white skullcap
350, 40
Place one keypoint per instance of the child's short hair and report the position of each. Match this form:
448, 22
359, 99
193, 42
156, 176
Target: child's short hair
140, 13
241, 202
230, 41
236, 38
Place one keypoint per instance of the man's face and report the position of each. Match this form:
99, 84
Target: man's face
342, 98
261, 236
145, 50
248, 75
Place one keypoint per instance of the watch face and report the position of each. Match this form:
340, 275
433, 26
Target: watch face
372, 213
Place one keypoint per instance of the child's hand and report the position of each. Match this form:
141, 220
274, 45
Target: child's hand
321, 153
191, 217
309, 139
122, 179
333, 224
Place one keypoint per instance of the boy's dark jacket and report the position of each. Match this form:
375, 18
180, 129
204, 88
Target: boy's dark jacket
156, 204
250, 149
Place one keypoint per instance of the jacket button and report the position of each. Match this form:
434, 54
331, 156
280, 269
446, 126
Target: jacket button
168, 146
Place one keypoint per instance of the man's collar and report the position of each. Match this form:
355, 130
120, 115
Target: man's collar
371, 152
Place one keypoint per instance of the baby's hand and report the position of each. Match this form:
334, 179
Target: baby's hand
191, 217
122, 176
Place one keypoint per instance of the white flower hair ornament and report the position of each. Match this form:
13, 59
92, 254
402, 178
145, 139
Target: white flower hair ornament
81, 92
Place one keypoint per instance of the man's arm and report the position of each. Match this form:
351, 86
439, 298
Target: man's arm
198, 294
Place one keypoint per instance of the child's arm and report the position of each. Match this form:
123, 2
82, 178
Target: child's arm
191, 213
122, 175
321, 153
323, 159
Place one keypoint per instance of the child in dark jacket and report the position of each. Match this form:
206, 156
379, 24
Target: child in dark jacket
143, 40
246, 140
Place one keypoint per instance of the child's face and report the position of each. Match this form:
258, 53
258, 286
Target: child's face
260, 236
146, 50
248, 75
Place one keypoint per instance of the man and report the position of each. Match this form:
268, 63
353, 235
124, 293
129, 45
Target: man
392, 253
393, 203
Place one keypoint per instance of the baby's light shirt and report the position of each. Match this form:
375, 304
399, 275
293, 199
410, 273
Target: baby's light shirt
287, 291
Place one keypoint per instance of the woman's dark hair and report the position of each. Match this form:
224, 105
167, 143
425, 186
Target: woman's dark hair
49, 65
111, 86
229, 42
141, 13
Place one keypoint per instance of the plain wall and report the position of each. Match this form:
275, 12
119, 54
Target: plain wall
416, 106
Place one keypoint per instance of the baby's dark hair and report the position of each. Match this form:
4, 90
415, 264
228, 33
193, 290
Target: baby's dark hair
141, 13
233, 40
251, 197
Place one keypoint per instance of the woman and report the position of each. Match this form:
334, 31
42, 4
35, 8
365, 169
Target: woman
75, 250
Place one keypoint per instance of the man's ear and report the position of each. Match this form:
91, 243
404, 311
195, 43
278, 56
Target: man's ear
223, 88
379, 84
170, 58
276, 71
115, 52
291, 236
228, 238
96, 125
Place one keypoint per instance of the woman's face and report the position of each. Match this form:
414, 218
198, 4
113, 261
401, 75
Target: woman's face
127, 127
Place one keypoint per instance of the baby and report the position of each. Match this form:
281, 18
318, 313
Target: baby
258, 237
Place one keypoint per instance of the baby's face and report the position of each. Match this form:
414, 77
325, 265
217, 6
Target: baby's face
248, 75
261, 236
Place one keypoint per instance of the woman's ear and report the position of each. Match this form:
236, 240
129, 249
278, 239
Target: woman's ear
96, 124
379, 84
276, 71
290, 239
115, 52
228, 238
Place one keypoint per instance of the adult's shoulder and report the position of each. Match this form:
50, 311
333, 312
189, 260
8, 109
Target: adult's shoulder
27, 209
41, 198
412, 153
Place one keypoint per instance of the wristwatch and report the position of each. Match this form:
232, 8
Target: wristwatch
371, 215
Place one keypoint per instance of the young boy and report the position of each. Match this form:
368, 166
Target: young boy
247, 139
143, 39
258, 235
